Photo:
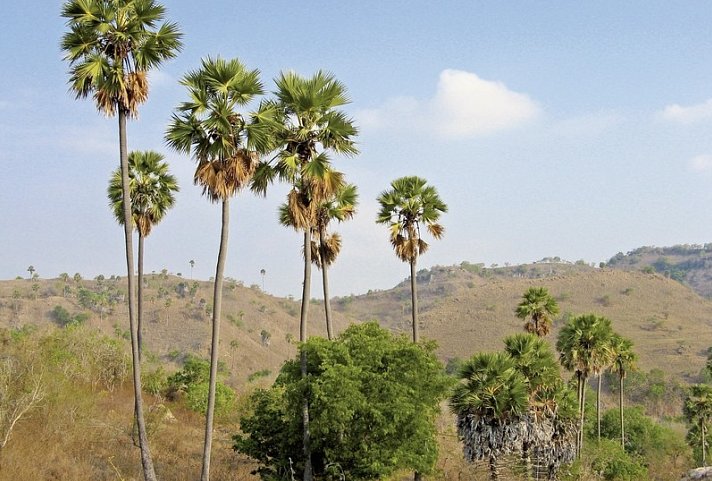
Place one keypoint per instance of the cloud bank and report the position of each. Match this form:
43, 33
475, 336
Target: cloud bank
463, 106
689, 114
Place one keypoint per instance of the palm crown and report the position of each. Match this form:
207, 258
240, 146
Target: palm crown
408, 204
111, 45
223, 143
152, 190
584, 344
540, 307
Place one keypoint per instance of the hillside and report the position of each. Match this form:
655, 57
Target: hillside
689, 264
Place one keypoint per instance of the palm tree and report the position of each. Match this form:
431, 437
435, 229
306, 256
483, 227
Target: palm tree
623, 361
111, 45
340, 206
408, 204
192, 264
583, 346
307, 126
224, 145
490, 402
152, 190
538, 309
698, 412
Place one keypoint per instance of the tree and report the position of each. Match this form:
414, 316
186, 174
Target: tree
623, 361
152, 190
538, 309
584, 347
307, 126
192, 264
224, 145
263, 273
111, 45
339, 206
698, 412
408, 204
373, 401
31, 270
489, 403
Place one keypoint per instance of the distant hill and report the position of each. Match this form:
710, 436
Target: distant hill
690, 264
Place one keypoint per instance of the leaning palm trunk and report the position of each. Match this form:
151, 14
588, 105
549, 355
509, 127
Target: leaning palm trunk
598, 408
215, 343
414, 300
306, 287
325, 284
141, 239
146, 460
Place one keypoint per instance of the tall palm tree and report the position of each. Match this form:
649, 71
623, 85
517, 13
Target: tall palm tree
583, 346
409, 203
698, 412
152, 190
538, 308
110, 46
340, 206
623, 361
225, 147
489, 403
307, 126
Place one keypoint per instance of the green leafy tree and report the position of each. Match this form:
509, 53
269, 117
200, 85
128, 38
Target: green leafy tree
584, 348
373, 402
152, 190
698, 413
538, 308
307, 127
224, 144
408, 204
623, 361
111, 45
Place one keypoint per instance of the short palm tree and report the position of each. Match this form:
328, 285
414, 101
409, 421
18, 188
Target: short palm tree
111, 45
307, 127
698, 412
623, 361
584, 348
153, 191
538, 308
407, 205
225, 147
490, 402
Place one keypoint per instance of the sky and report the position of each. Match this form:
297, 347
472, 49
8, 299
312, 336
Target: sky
570, 129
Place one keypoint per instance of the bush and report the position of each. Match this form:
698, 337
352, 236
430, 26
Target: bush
197, 398
607, 460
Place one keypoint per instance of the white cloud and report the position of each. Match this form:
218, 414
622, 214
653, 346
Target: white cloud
464, 105
689, 114
701, 163
157, 78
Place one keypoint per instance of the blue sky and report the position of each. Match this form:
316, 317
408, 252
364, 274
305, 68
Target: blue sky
571, 129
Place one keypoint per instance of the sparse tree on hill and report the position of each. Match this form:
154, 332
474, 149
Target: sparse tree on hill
31, 270
192, 264
698, 412
408, 204
111, 45
538, 308
307, 126
623, 361
152, 190
224, 145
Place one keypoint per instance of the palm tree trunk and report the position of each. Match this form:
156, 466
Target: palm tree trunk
704, 449
579, 386
620, 408
494, 472
414, 301
306, 287
149, 473
598, 408
325, 284
215, 343
140, 294
583, 409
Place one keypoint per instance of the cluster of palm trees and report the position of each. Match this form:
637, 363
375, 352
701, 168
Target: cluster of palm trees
515, 401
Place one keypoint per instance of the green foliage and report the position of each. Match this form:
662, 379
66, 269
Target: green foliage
197, 398
155, 381
610, 462
62, 316
373, 399
258, 374
193, 382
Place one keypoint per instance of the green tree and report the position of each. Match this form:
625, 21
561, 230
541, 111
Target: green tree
111, 45
31, 270
307, 126
584, 348
408, 204
538, 308
373, 402
224, 145
698, 412
152, 190
623, 361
